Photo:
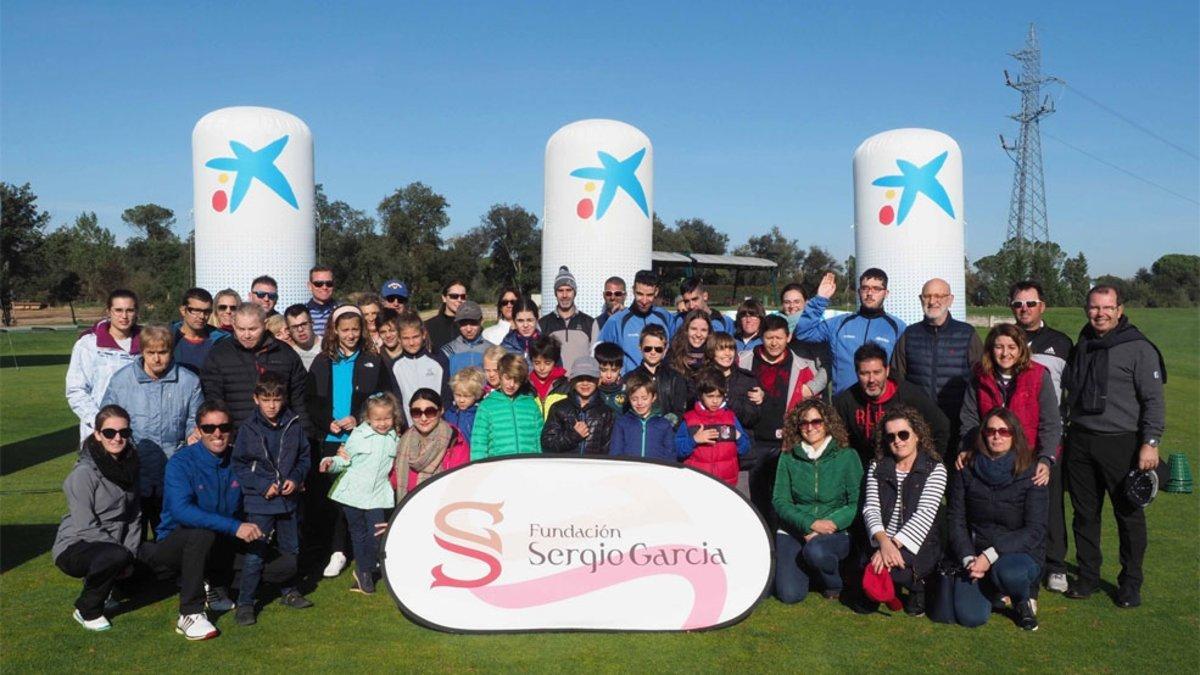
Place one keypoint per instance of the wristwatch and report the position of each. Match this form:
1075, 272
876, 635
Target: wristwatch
1152, 442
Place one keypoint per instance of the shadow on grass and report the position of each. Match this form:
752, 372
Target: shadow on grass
8, 361
33, 451
22, 543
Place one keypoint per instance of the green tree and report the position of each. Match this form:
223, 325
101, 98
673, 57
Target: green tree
152, 220
1076, 280
349, 244
67, 290
702, 237
20, 238
90, 251
412, 219
667, 238
515, 241
817, 261
159, 262
1175, 280
786, 253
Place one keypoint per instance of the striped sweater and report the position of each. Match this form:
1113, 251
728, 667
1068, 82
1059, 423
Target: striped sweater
910, 534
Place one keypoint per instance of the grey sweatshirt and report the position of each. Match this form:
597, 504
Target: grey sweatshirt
99, 510
1135, 394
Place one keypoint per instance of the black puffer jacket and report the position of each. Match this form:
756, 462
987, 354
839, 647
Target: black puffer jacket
559, 435
231, 371
371, 375
739, 384
1010, 517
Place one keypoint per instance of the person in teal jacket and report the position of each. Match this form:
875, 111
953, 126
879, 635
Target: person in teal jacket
509, 421
363, 488
817, 485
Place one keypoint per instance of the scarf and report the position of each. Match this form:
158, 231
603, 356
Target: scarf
121, 470
421, 453
814, 453
1087, 383
695, 356
995, 471
543, 386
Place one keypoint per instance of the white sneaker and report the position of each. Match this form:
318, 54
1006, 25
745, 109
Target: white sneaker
196, 627
217, 599
98, 624
337, 563
1057, 582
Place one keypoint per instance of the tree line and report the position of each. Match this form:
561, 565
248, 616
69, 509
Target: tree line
405, 238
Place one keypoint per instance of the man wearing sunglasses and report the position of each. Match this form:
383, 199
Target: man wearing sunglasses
201, 524
194, 337
1049, 348
395, 295
614, 299
874, 393
264, 292
625, 327
322, 304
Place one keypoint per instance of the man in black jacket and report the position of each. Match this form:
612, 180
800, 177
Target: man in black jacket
864, 404
233, 366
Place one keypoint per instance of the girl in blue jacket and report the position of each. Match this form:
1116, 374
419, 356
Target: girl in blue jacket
640, 432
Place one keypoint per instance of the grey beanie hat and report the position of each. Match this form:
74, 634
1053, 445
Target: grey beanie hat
565, 278
585, 366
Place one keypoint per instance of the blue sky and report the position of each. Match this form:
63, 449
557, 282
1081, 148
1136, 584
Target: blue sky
754, 110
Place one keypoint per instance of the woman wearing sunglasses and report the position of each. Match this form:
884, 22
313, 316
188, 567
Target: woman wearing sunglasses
441, 327
224, 305
998, 523
346, 372
98, 539
1008, 376
429, 447
816, 498
505, 303
902, 510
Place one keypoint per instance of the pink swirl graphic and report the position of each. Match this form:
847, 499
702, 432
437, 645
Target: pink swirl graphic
709, 586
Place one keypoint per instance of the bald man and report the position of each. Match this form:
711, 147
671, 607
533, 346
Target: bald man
939, 353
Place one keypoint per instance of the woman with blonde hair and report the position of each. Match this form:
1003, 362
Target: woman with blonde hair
225, 303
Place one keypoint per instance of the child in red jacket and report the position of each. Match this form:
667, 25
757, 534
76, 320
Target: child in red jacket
710, 438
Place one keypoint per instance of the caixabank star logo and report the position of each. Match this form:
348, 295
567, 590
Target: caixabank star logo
250, 165
613, 174
913, 180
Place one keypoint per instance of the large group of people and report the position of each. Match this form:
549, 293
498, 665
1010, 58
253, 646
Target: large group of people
915, 466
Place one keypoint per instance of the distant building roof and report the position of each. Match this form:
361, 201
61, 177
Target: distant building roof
708, 260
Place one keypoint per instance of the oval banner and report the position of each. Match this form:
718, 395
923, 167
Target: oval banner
555, 543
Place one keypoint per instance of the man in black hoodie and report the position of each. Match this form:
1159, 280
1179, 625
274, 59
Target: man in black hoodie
1116, 412
864, 404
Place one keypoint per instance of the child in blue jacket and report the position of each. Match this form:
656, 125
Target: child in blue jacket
467, 385
271, 459
640, 432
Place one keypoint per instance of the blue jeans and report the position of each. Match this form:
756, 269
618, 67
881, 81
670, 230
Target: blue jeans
287, 539
795, 559
361, 523
1013, 574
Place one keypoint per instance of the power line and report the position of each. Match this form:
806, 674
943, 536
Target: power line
1125, 171
1130, 121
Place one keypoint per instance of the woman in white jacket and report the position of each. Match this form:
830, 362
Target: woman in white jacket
101, 351
504, 315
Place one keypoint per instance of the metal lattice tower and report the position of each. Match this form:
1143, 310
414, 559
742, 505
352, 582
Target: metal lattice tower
1027, 222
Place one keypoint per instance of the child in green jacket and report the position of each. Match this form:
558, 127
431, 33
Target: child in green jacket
509, 420
363, 489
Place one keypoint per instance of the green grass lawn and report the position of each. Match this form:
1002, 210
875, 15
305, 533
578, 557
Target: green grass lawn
37, 437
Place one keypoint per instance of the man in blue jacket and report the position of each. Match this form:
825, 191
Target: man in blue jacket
695, 296
200, 526
625, 327
846, 333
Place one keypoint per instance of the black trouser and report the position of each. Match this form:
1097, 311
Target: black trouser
151, 514
761, 462
192, 554
323, 521
98, 564
1056, 527
1097, 464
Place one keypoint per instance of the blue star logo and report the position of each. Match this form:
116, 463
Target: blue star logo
916, 180
251, 164
616, 174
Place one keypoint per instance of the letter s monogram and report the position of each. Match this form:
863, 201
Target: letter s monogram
490, 540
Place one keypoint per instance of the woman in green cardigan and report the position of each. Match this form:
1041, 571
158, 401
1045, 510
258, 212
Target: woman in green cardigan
509, 421
816, 496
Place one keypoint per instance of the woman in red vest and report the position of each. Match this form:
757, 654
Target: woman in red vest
1007, 377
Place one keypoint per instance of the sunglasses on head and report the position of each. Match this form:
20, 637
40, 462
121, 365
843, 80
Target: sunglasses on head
1028, 304
457, 296
226, 308
266, 294
418, 413
323, 284
111, 433
903, 434
224, 428
1002, 432
657, 350
614, 294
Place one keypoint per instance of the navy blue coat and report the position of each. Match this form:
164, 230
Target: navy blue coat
1010, 518
200, 491
651, 438
264, 456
